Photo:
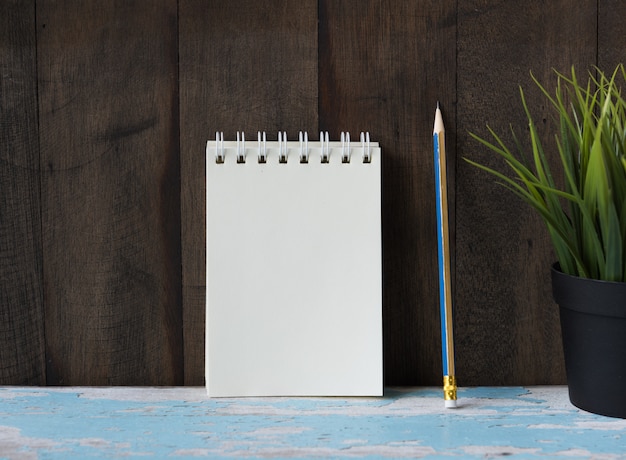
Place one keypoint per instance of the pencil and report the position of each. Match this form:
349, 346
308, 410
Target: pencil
443, 246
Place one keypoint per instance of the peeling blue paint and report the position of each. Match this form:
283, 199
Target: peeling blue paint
54, 423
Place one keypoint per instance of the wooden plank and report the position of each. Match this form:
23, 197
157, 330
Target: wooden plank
383, 66
109, 130
508, 331
244, 66
611, 48
22, 358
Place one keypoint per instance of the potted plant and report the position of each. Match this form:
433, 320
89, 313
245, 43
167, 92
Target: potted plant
584, 209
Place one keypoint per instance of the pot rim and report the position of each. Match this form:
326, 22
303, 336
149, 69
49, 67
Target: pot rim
585, 295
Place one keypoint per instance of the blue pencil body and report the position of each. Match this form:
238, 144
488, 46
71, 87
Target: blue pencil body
443, 246
441, 257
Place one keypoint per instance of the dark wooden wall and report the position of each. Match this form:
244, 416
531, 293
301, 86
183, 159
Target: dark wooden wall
105, 108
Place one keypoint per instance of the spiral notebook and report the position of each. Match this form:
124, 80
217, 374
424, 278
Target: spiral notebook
294, 289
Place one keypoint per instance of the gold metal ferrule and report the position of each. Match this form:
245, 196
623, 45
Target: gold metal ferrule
449, 387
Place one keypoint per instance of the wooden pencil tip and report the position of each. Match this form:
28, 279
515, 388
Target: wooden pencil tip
437, 104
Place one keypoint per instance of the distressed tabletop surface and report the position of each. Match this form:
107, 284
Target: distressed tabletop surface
529, 422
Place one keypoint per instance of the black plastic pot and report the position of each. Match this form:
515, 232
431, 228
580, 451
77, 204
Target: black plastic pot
593, 325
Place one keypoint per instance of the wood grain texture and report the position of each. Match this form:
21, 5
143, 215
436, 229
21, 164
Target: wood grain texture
22, 359
109, 131
383, 66
508, 330
102, 169
611, 44
244, 66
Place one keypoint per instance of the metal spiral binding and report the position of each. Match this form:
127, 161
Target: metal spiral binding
282, 147
262, 155
241, 148
345, 147
365, 143
304, 149
219, 147
325, 147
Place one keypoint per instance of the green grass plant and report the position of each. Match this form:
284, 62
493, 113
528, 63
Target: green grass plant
586, 216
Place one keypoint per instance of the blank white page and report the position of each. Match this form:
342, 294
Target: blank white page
294, 286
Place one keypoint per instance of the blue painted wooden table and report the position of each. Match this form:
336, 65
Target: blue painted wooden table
62, 423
